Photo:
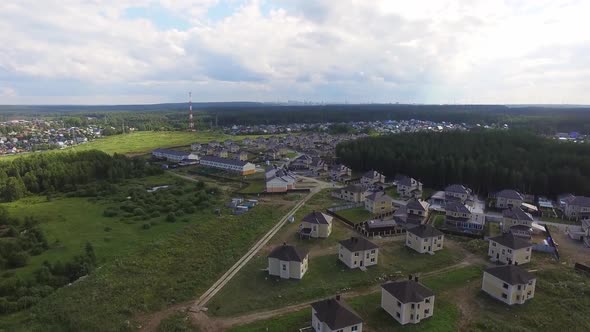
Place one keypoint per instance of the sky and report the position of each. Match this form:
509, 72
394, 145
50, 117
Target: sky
356, 51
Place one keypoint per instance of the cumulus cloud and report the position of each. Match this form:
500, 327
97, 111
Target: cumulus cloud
472, 51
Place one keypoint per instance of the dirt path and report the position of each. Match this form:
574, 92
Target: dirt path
223, 323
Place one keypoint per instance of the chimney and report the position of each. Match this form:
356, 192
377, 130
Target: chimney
284, 243
338, 297
416, 278
410, 277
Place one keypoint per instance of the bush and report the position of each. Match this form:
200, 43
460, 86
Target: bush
107, 229
171, 217
146, 226
109, 213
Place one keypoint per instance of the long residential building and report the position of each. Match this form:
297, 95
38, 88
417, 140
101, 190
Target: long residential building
232, 165
174, 155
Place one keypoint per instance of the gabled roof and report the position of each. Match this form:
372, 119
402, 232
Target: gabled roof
408, 291
510, 274
317, 218
511, 241
287, 252
415, 204
405, 181
424, 231
357, 244
378, 196
510, 194
455, 206
227, 161
458, 189
517, 213
335, 313
581, 201
372, 174
355, 188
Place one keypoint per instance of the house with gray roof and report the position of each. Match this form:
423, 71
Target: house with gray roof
508, 198
288, 262
424, 239
407, 301
355, 193
316, 225
515, 216
458, 192
334, 315
509, 249
509, 284
577, 208
358, 252
408, 187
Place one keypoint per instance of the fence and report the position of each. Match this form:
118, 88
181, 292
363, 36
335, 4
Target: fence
582, 267
345, 207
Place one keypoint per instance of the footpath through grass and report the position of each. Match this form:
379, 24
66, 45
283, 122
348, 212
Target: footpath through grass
445, 318
253, 289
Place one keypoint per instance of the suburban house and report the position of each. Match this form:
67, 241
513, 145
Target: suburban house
577, 207
318, 165
279, 180
465, 218
351, 193
378, 202
407, 301
242, 155
221, 153
287, 262
509, 249
508, 198
242, 167
509, 284
174, 155
409, 187
424, 239
372, 177
515, 216
340, 172
300, 163
316, 225
334, 315
358, 252
458, 192
417, 207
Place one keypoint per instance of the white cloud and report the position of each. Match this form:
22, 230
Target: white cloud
379, 50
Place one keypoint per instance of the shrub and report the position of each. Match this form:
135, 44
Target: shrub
171, 217
146, 226
107, 229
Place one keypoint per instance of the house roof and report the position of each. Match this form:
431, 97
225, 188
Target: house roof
335, 313
456, 206
378, 196
287, 252
172, 152
355, 188
415, 204
510, 274
458, 189
511, 241
372, 174
358, 244
510, 194
408, 291
224, 160
581, 201
317, 218
405, 181
424, 231
517, 213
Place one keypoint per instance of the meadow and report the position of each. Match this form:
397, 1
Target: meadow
141, 270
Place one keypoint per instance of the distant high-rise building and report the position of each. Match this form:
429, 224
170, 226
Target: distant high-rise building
191, 123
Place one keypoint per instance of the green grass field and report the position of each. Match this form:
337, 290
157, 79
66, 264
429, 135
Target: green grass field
140, 270
252, 289
356, 215
445, 318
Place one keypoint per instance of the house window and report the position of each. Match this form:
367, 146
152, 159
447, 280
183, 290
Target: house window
527, 257
372, 260
519, 287
517, 297
412, 305
354, 328
504, 296
356, 254
427, 301
373, 251
505, 285
509, 251
399, 304
412, 316
493, 244
426, 312
398, 315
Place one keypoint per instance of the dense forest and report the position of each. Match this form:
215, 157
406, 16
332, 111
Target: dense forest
59, 172
486, 161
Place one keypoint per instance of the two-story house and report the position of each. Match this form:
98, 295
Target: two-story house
577, 208
288, 262
334, 315
509, 284
458, 192
378, 202
358, 252
515, 216
465, 218
355, 193
407, 301
509, 249
508, 198
409, 187
424, 239
372, 177
316, 225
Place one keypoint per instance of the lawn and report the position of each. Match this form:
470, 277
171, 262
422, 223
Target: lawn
445, 318
356, 215
252, 289
147, 273
392, 192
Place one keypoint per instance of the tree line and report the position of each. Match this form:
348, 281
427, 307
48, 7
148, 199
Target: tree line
486, 161
61, 172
